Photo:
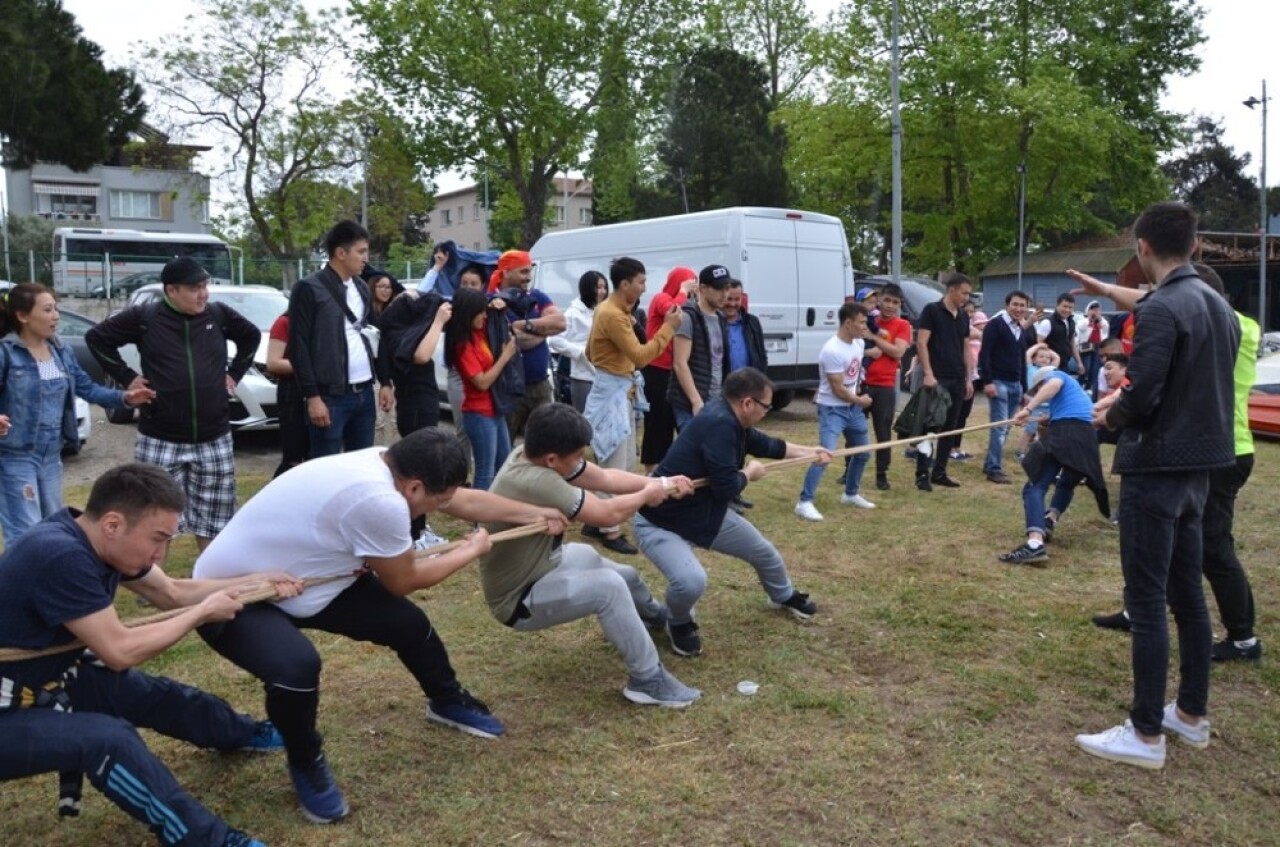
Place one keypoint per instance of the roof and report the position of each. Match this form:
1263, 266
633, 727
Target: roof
1107, 260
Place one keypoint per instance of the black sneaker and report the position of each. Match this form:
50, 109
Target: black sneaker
685, 640
1228, 651
922, 483
1025, 555
882, 482
658, 620
592, 532
944, 480
743, 503
1050, 524
619, 545
799, 605
236, 838
318, 792
1118, 621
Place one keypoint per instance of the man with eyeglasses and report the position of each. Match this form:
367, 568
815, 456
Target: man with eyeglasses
713, 447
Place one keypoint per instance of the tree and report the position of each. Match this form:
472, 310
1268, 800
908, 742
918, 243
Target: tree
1211, 177
986, 88
58, 102
254, 76
397, 195
718, 144
510, 85
781, 33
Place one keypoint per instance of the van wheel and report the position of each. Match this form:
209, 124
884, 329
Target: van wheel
782, 399
119, 416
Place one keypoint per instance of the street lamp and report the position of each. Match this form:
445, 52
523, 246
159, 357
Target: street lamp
1262, 211
895, 128
368, 132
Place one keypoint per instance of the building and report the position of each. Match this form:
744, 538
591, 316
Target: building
1044, 274
460, 215
147, 185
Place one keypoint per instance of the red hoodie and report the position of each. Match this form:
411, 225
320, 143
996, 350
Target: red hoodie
670, 297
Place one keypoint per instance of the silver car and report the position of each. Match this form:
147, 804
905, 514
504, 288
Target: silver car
253, 407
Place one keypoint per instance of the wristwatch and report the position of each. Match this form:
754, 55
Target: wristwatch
528, 326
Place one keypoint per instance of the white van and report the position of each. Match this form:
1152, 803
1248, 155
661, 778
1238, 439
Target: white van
794, 267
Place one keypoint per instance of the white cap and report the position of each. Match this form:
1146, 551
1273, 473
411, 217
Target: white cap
1042, 374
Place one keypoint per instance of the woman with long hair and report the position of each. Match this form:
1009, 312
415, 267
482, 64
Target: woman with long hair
39, 379
467, 348
571, 344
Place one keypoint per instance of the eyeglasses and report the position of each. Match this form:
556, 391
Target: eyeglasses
768, 407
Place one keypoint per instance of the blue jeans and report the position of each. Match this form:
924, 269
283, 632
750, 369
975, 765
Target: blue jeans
1034, 491
31, 482
490, 444
352, 417
834, 421
687, 579
1002, 407
1160, 552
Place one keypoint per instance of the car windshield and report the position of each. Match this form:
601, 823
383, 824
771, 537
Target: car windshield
260, 308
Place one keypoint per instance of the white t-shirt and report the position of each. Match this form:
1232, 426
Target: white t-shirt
840, 357
359, 368
322, 518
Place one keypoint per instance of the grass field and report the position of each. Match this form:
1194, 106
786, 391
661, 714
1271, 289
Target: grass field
932, 701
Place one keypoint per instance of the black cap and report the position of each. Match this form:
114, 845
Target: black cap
716, 276
183, 270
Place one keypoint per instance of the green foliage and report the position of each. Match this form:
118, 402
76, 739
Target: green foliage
30, 232
986, 86
58, 102
719, 147
1211, 177
781, 33
508, 82
253, 76
397, 196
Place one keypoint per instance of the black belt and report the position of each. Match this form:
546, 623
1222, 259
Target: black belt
357, 387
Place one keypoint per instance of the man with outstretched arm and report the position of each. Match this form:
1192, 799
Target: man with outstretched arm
713, 446
78, 712
348, 516
537, 582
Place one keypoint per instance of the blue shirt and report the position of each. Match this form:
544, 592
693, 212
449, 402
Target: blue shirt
537, 360
51, 576
739, 357
1070, 403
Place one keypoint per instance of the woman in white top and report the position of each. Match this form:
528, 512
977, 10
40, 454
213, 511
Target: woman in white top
593, 288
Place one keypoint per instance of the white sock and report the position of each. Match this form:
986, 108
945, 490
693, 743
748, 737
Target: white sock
1034, 544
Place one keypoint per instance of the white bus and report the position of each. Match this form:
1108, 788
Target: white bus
86, 258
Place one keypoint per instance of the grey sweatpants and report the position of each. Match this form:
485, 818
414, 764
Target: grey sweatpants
585, 583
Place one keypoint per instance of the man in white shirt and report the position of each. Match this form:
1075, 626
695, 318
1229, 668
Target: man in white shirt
348, 516
841, 409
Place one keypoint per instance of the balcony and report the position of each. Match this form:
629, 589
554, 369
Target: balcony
82, 217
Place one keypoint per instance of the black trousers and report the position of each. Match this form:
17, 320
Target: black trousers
100, 739
884, 399
954, 387
269, 644
295, 438
417, 407
1227, 577
659, 422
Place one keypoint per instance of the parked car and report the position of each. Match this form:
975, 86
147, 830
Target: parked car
254, 405
125, 286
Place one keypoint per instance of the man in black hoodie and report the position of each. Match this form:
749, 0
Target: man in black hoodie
182, 342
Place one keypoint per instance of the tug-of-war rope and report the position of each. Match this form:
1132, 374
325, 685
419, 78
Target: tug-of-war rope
260, 592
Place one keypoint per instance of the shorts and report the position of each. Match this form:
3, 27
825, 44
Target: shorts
206, 473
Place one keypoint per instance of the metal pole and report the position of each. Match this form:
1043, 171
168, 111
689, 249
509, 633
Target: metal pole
1265, 224
4, 219
1022, 217
31, 266
895, 120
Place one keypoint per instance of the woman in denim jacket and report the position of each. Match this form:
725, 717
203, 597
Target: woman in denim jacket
38, 376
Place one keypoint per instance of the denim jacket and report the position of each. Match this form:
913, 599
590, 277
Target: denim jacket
20, 393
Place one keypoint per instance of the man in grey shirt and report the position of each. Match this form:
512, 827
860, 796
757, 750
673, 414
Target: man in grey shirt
699, 359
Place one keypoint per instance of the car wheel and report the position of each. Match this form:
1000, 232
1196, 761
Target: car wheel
782, 399
119, 416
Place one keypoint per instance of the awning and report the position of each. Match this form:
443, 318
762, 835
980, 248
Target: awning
68, 188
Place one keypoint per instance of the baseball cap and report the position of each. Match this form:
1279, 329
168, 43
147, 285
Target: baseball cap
1042, 374
1093, 304
715, 276
865, 292
183, 270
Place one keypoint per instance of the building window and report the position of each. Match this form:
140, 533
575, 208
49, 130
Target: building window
559, 214
143, 205
475, 211
462, 214
584, 215
448, 216
66, 205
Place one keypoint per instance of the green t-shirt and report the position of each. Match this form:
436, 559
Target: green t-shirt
512, 566
1246, 372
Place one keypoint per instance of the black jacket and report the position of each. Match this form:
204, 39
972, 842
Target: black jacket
184, 358
317, 334
712, 446
754, 335
404, 323
1177, 411
1003, 358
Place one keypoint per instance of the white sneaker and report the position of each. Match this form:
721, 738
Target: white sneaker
1197, 735
808, 511
856, 500
427, 540
1122, 744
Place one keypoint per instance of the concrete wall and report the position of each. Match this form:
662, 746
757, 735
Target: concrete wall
180, 197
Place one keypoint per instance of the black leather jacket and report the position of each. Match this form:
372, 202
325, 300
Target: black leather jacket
317, 334
1177, 412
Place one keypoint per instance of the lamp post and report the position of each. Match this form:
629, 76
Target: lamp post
1262, 211
895, 121
1022, 217
368, 132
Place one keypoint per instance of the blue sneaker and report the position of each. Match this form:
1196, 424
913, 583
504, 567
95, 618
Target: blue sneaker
467, 714
236, 838
266, 739
318, 792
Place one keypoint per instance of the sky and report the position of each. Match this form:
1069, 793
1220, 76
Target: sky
1234, 59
